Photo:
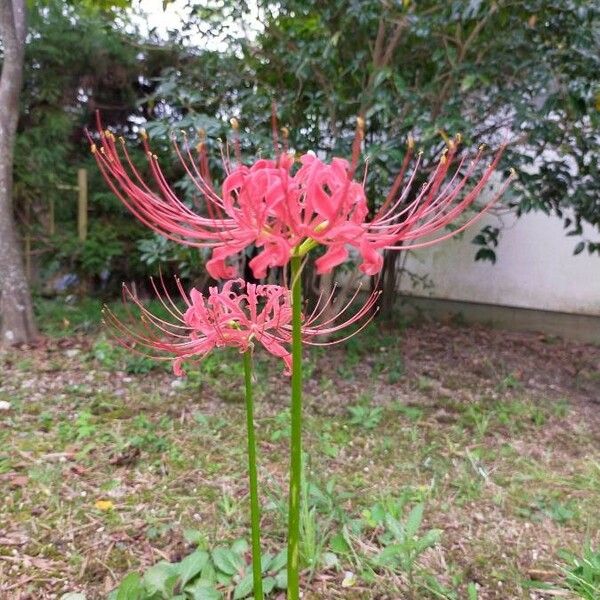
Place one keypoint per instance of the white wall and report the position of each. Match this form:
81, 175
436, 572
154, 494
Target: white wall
535, 268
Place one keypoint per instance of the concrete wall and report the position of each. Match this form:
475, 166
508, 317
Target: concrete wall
535, 268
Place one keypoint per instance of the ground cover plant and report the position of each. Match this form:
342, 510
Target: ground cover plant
486, 442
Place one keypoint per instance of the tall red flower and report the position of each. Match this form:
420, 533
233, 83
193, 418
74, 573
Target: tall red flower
239, 315
288, 212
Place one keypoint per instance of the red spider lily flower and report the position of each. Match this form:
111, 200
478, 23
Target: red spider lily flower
399, 224
286, 213
238, 315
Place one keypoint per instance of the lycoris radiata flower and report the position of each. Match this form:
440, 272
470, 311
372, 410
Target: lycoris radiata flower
286, 211
239, 315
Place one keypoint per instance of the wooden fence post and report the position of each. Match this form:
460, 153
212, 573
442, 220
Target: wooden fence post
82, 204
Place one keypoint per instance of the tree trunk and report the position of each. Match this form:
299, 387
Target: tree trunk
16, 314
388, 283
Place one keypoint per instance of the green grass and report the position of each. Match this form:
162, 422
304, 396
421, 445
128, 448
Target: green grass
509, 475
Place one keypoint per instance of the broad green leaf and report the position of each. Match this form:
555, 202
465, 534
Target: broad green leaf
227, 561
193, 536
244, 587
472, 591
414, 520
208, 573
160, 578
279, 562
468, 82
191, 566
269, 584
378, 513
223, 578
338, 544
240, 546
202, 589
390, 554
265, 562
131, 587
281, 580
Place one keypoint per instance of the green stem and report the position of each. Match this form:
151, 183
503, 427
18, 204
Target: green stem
252, 476
293, 578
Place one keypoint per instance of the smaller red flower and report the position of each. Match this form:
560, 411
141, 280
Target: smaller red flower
238, 316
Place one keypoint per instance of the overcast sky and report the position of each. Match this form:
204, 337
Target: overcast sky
149, 15
155, 17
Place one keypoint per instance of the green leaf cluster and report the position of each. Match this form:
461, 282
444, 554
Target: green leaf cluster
204, 575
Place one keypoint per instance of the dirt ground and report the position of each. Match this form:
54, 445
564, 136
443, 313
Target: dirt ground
106, 461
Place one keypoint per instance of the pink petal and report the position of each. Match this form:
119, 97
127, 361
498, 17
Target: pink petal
335, 255
372, 260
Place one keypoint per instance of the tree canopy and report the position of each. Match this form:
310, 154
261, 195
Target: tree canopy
522, 71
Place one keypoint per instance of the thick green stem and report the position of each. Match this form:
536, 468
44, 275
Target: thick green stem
296, 436
253, 478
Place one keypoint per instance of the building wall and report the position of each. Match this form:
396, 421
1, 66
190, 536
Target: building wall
535, 268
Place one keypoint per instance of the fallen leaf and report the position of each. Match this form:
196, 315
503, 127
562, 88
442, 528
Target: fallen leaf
78, 469
15, 480
128, 456
104, 505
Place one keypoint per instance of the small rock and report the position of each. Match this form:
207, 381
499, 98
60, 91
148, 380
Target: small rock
178, 384
4, 405
349, 579
71, 352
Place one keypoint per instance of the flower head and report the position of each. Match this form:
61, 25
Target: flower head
239, 315
285, 211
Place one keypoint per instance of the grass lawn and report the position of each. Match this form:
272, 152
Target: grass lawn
109, 464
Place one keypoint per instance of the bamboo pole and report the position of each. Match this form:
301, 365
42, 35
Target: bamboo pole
82, 204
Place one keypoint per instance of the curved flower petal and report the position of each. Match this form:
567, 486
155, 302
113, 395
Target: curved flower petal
276, 253
372, 260
334, 256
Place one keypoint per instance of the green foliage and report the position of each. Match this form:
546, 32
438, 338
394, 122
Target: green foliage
80, 55
149, 437
400, 542
113, 357
82, 428
157, 252
422, 67
65, 317
101, 247
582, 575
487, 239
411, 67
365, 416
204, 575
